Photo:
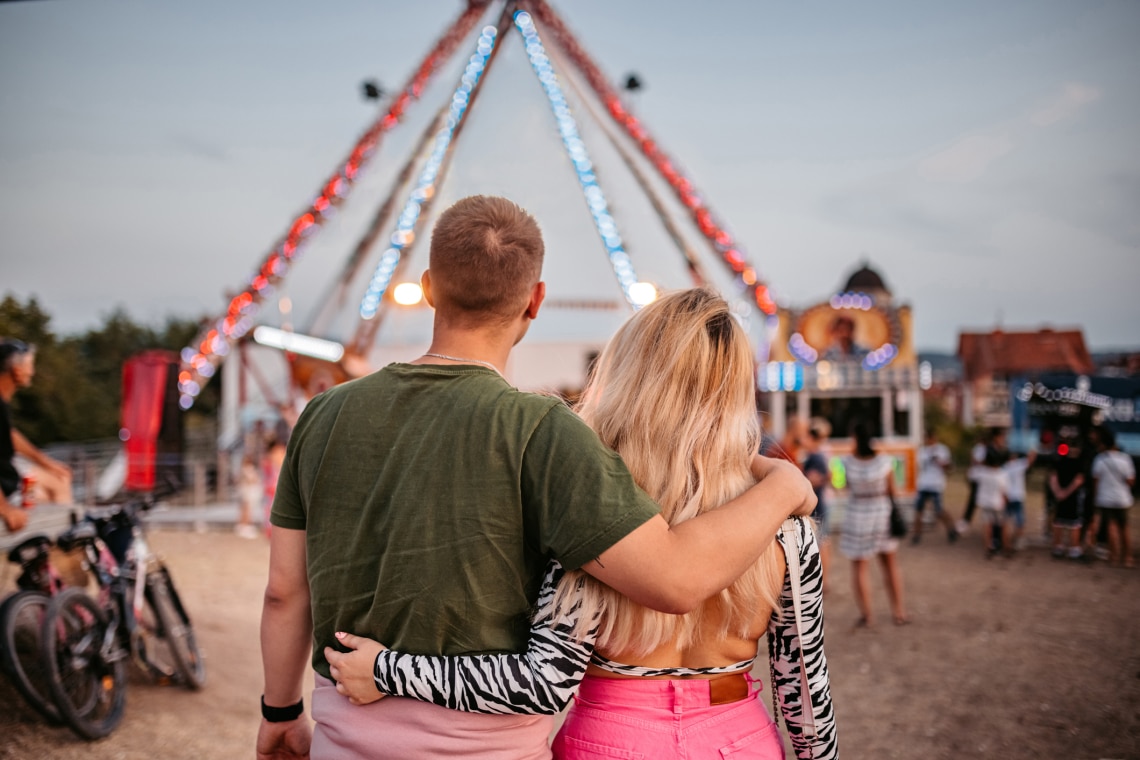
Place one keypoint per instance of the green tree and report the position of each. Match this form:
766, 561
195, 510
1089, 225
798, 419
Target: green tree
77, 393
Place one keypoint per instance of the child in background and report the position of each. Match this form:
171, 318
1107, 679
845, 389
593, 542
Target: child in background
1015, 470
993, 495
933, 463
249, 496
819, 475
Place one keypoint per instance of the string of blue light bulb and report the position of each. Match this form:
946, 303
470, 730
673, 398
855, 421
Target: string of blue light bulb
576, 149
425, 183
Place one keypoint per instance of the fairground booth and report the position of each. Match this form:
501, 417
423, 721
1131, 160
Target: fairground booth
1055, 406
846, 358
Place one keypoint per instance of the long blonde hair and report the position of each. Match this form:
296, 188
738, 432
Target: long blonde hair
672, 393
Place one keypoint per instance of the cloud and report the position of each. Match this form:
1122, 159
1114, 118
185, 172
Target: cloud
197, 147
1072, 98
966, 159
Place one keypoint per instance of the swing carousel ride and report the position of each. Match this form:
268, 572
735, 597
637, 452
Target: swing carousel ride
566, 73
553, 53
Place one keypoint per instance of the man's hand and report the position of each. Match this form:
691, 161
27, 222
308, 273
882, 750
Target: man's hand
789, 477
353, 671
14, 518
284, 741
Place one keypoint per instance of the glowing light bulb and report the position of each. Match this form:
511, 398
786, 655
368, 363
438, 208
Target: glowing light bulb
642, 293
408, 293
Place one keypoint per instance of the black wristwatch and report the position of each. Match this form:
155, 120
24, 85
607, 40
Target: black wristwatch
282, 714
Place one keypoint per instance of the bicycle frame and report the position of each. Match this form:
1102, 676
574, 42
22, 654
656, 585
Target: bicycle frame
122, 586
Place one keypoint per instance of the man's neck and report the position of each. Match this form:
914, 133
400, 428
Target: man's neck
478, 345
7, 387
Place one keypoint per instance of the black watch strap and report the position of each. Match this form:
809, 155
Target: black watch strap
282, 714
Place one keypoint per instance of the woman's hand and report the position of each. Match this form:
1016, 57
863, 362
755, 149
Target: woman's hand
799, 490
353, 670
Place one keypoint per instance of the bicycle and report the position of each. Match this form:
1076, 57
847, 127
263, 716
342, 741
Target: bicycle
136, 614
21, 621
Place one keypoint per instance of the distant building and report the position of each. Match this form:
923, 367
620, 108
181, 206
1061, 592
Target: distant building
1045, 385
940, 377
846, 358
994, 362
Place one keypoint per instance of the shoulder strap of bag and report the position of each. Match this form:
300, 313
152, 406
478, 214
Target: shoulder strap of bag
792, 556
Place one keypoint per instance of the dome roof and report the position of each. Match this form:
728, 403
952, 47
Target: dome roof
865, 280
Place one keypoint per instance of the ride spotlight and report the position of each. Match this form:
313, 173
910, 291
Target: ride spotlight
295, 343
642, 293
407, 293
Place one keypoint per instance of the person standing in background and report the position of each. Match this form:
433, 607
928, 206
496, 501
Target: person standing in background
792, 444
867, 526
1066, 482
819, 475
271, 462
1015, 470
17, 368
977, 457
933, 464
250, 494
993, 495
1114, 475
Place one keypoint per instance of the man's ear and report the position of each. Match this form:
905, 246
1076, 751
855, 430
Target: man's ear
537, 296
425, 284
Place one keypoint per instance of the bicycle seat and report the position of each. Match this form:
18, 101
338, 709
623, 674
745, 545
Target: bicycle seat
29, 550
77, 535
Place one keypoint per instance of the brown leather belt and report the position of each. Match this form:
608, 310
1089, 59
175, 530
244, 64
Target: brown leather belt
730, 688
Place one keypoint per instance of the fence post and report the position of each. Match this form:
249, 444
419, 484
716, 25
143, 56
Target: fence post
199, 483
90, 486
223, 484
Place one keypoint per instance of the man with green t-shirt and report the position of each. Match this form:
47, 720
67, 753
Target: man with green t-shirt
420, 505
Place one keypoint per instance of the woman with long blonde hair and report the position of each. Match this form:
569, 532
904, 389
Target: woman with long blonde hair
672, 393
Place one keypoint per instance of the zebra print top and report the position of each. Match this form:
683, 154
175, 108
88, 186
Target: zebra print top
544, 678
604, 663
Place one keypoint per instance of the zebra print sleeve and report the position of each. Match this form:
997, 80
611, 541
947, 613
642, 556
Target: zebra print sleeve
784, 649
539, 682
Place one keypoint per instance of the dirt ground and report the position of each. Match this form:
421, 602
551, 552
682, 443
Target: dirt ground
1022, 658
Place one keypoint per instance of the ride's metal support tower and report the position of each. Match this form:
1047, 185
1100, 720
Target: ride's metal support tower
335, 299
696, 271
720, 239
201, 358
415, 211
580, 159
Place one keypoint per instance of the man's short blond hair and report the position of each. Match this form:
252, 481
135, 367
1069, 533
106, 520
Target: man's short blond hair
486, 258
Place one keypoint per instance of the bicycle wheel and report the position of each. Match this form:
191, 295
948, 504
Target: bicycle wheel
21, 621
175, 628
87, 671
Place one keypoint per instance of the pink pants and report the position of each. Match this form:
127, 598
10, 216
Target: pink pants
404, 729
658, 720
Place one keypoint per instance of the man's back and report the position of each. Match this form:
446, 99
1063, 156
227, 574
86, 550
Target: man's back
432, 497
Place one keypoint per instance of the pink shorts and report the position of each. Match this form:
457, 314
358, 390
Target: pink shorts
400, 729
642, 718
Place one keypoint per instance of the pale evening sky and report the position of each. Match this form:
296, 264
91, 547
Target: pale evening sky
982, 156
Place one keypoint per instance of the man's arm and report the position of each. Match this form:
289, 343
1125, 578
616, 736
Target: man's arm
675, 569
286, 641
26, 448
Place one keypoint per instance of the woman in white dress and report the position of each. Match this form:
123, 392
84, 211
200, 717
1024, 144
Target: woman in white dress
866, 525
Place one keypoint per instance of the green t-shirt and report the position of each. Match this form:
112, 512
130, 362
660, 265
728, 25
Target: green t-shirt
433, 497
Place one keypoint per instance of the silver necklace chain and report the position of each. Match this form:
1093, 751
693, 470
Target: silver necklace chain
460, 359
